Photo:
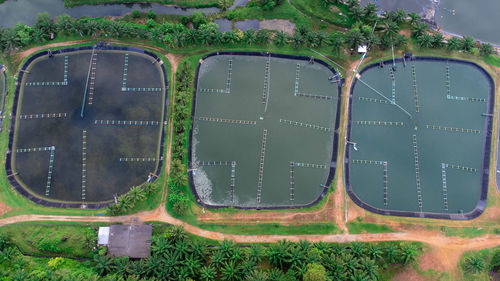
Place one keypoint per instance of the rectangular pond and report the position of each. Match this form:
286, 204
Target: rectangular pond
88, 124
264, 129
420, 138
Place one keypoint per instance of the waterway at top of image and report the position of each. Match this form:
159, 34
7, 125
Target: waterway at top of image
411, 6
478, 19
25, 11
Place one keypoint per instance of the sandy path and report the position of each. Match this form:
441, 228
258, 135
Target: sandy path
30, 51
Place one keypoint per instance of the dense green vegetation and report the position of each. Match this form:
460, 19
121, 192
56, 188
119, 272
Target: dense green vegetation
479, 265
178, 256
180, 3
52, 239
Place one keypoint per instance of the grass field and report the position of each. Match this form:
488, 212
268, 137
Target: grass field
274, 229
53, 239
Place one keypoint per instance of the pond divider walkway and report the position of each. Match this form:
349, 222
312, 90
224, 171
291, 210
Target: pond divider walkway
229, 73
415, 91
230, 121
452, 129
92, 77
43, 115
417, 172
261, 165
300, 124
373, 100
84, 164
445, 188
51, 166
382, 123
138, 159
125, 122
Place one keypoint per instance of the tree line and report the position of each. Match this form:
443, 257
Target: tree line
177, 256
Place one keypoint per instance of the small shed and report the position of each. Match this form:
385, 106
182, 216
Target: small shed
132, 241
362, 49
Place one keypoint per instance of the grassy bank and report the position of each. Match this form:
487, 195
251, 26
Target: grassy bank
180, 3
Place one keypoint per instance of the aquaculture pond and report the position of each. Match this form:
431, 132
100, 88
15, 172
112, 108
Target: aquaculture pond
264, 130
419, 138
87, 125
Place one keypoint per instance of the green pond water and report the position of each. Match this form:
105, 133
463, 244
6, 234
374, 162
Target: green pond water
431, 162
62, 156
234, 110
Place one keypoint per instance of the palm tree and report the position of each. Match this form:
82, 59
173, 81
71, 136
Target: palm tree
247, 267
486, 49
297, 40
207, 273
262, 37
369, 267
278, 253
424, 41
357, 249
177, 233
354, 38
102, 264
137, 268
255, 253
137, 193
192, 265
391, 253
468, 44
230, 271
418, 29
453, 44
351, 263
120, 265
437, 40
296, 257
370, 12
474, 264
336, 40
408, 253
230, 37
257, 275
153, 265
359, 276
356, 13
280, 38
390, 28
374, 251
227, 248
414, 18
249, 37
275, 274
352, 3
400, 16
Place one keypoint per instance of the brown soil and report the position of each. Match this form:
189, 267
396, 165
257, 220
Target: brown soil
409, 274
280, 25
4, 208
28, 52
